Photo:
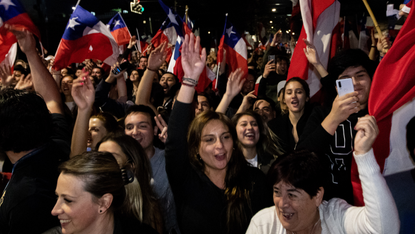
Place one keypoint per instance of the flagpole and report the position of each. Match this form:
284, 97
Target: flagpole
123, 21
187, 16
139, 41
373, 17
219, 64
77, 3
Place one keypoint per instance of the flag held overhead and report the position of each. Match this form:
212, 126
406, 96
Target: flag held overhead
85, 37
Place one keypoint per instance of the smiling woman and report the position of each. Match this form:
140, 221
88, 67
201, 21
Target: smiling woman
298, 180
90, 197
214, 188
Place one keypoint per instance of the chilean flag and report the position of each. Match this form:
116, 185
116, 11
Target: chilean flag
119, 30
393, 86
85, 37
13, 13
166, 33
235, 46
320, 17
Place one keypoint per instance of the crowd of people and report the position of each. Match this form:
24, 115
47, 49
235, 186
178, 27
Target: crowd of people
90, 150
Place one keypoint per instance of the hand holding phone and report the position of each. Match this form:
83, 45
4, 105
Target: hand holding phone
344, 86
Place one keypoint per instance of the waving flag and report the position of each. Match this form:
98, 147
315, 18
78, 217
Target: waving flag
166, 33
235, 46
119, 30
320, 19
142, 43
13, 13
393, 86
85, 37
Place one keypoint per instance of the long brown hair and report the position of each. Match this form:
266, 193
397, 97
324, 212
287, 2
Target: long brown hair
237, 183
268, 141
140, 201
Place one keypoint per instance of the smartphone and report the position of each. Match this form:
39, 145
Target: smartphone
344, 86
271, 57
122, 66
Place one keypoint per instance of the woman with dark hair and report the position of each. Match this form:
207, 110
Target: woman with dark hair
215, 189
299, 181
259, 145
142, 202
290, 125
91, 194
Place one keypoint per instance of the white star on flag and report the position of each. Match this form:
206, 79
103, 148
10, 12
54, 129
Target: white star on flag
6, 4
172, 17
117, 22
73, 23
229, 31
90, 48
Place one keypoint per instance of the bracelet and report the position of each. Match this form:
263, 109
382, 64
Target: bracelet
190, 80
152, 70
373, 46
189, 85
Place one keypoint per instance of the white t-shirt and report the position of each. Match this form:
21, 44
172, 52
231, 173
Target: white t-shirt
253, 161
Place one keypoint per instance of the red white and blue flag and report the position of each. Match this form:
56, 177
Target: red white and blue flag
319, 21
85, 37
166, 33
235, 46
119, 30
13, 13
175, 65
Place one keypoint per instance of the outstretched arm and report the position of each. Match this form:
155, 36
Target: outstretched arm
83, 94
233, 87
155, 60
43, 81
379, 215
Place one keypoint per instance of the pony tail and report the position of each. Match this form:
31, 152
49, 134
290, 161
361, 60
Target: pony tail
134, 199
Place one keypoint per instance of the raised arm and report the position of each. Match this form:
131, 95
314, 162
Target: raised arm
233, 87
193, 64
177, 160
312, 57
83, 94
155, 60
43, 81
246, 102
379, 215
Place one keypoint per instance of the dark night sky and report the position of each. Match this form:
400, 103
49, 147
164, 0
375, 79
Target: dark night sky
51, 16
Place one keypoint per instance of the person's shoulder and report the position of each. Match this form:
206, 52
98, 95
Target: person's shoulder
334, 208
265, 218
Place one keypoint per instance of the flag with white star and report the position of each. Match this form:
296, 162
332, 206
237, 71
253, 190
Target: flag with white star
13, 13
119, 30
85, 37
235, 46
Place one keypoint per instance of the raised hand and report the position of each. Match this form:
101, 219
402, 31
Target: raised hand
162, 125
311, 53
6, 76
83, 92
157, 57
25, 39
193, 62
277, 38
25, 82
235, 83
269, 67
367, 131
132, 42
342, 108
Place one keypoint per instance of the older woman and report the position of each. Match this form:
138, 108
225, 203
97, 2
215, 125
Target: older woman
214, 188
90, 196
298, 181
